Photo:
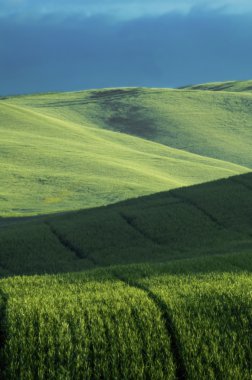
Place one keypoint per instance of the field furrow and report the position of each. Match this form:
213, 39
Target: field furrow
180, 369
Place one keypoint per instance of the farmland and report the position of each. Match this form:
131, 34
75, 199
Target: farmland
126, 234
164, 321
210, 218
177, 308
97, 326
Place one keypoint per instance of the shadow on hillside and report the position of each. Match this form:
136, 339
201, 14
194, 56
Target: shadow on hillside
207, 226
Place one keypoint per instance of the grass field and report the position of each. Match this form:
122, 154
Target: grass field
154, 287
203, 219
78, 150
184, 319
215, 124
179, 307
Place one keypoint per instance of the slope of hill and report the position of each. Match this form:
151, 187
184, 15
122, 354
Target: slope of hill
188, 316
51, 164
160, 285
212, 124
211, 218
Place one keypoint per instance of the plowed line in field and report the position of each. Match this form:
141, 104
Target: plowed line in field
211, 217
237, 181
70, 246
138, 230
168, 322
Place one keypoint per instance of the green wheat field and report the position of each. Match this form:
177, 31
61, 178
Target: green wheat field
126, 234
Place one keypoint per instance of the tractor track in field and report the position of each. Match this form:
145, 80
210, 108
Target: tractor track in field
211, 217
70, 246
181, 372
128, 220
237, 181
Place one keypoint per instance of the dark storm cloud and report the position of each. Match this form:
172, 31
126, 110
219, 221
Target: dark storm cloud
58, 53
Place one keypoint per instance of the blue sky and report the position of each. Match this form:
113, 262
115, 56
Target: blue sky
126, 9
59, 45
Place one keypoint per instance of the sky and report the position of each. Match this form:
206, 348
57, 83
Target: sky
59, 45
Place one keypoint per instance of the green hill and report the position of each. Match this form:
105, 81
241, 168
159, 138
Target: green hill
212, 124
212, 218
184, 311
63, 151
95, 285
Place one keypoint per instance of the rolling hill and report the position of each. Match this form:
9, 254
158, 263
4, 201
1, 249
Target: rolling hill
126, 234
178, 305
76, 150
207, 219
210, 123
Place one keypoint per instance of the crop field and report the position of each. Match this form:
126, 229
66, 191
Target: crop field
183, 312
210, 321
210, 218
131, 322
126, 234
97, 330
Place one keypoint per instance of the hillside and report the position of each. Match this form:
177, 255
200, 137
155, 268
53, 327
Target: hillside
95, 285
212, 124
183, 311
208, 219
68, 151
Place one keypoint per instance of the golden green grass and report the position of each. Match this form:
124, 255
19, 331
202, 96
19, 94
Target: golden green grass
76, 150
130, 322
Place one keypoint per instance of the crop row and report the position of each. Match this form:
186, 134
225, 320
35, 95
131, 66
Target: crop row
128, 322
75, 327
